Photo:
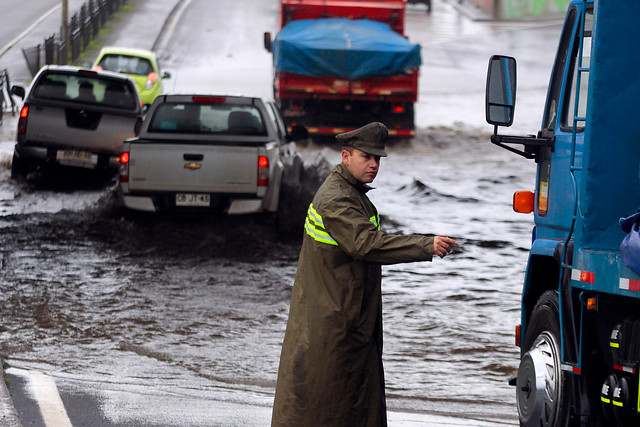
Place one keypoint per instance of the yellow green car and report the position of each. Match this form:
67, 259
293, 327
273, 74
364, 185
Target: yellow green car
139, 64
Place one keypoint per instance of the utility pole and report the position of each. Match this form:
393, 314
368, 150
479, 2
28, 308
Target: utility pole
65, 22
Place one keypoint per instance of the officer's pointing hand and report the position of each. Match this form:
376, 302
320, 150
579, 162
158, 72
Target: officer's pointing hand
443, 245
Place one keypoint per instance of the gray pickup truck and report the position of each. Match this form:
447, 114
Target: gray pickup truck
223, 154
74, 117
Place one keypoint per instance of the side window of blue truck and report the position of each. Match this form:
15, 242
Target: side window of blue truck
553, 96
569, 110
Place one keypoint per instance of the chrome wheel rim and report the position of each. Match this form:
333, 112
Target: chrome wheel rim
538, 384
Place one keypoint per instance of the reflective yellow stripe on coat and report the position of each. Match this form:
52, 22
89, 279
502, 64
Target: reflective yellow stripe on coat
315, 227
376, 221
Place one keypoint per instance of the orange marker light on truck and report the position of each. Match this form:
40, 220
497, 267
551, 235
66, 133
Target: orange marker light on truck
517, 335
523, 201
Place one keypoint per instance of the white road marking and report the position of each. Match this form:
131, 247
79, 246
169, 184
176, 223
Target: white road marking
45, 392
26, 31
171, 26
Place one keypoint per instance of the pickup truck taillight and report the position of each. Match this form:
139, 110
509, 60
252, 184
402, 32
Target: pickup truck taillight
22, 121
263, 171
124, 167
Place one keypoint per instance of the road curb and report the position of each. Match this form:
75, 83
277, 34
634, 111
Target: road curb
169, 22
475, 13
8, 414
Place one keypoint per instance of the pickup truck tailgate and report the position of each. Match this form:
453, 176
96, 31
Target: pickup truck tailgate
93, 130
197, 167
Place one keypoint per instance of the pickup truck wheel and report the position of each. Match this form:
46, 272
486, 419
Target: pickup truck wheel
541, 388
19, 168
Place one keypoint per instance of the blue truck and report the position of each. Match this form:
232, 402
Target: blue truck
579, 335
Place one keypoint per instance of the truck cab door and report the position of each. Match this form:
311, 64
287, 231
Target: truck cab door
563, 120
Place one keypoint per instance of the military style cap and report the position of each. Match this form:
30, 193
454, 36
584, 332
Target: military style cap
369, 138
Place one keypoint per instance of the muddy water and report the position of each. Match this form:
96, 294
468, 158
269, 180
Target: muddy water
87, 291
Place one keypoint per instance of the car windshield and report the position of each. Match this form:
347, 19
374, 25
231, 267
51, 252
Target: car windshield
126, 64
85, 89
205, 118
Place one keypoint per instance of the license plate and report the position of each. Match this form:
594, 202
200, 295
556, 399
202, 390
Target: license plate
83, 159
187, 199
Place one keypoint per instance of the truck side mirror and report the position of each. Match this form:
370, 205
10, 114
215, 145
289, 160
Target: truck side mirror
500, 96
18, 91
267, 41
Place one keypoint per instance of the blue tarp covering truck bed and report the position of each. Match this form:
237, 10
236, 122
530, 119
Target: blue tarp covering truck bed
340, 47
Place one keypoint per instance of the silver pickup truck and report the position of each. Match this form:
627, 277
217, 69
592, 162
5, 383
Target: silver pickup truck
74, 117
225, 154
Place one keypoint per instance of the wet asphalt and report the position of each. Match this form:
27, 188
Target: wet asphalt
159, 16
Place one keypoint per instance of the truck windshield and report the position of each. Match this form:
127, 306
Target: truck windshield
205, 118
85, 89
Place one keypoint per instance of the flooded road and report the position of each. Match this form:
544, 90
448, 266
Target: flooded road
91, 292
194, 308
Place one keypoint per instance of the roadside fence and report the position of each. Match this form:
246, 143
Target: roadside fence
6, 100
83, 28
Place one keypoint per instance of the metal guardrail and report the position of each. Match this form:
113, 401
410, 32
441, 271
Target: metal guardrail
6, 100
84, 27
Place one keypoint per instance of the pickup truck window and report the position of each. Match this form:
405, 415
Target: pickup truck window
85, 89
205, 118
277, 122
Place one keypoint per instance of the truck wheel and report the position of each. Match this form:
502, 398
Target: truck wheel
19, 168
541, 389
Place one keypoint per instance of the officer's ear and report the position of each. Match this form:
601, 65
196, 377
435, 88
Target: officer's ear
346, 156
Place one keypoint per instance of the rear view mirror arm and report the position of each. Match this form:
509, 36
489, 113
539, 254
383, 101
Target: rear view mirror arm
531, 144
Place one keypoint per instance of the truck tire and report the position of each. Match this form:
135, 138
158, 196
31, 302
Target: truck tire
19, 168
542, 392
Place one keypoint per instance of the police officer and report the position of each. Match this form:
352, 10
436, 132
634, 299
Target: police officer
331, 363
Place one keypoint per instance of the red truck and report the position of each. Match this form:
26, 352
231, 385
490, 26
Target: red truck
340, 64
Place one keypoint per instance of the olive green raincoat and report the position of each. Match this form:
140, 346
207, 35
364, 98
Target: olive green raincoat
331, 364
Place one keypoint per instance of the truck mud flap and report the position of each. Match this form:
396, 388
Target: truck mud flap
567, 309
